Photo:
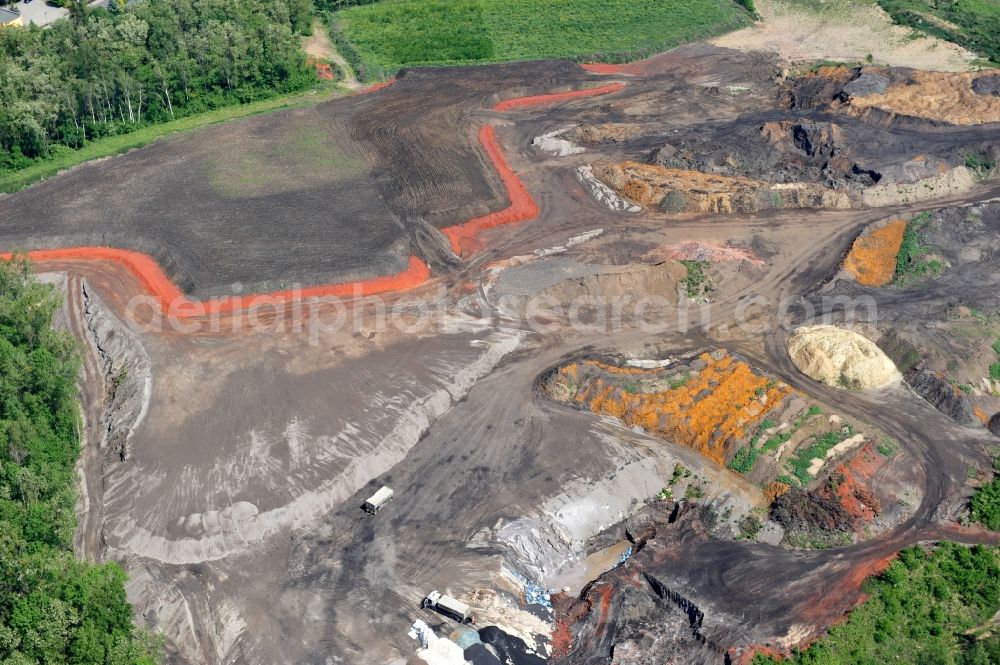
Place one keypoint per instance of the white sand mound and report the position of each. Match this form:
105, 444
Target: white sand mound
840, 358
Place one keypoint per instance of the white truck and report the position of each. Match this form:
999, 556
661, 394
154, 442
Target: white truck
448, 606
378, 500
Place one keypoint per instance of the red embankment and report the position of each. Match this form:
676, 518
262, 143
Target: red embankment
604, 68
522, 206
142, 267
416, 273
176, 304
535, 100
375, 87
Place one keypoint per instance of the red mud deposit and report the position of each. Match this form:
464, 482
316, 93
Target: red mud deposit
143, 267
416, 273
535, 100
175, 304
522, 206
835, 608
854, 488
604, 68
747, 656
568, 612
375, 87
324, 71
571, 611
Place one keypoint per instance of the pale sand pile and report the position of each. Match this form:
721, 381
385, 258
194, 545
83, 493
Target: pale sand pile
958, 180
840, 358
844, 31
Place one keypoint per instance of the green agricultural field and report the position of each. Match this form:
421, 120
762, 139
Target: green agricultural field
974, 24
387, 35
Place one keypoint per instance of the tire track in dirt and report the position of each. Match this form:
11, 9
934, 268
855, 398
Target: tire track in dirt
536, 100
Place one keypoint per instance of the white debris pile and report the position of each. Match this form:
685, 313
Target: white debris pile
435, 650
649, 363
553, 145
602, 193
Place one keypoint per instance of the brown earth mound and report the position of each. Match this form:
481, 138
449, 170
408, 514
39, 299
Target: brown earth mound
635, 279
941, 96
872, 259
684, 190
611, 132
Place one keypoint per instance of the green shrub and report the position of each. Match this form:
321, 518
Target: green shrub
817, 450
986, 505
750, 526
917, 611
981, 164
180, 59
679, 380
744, 459
363, 71
911, 260
674, 201
696, 281
694, 492
887, 447
53, 608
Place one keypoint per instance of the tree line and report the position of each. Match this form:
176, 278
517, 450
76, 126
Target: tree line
102, 72
53, 608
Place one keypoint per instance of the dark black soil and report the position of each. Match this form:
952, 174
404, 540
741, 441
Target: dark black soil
413, 157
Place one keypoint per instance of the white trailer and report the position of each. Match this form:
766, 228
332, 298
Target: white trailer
448, 606
378, 500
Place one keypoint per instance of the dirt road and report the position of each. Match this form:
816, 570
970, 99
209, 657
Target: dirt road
319, 46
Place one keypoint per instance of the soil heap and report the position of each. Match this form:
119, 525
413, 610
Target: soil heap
872, 259
840, 358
